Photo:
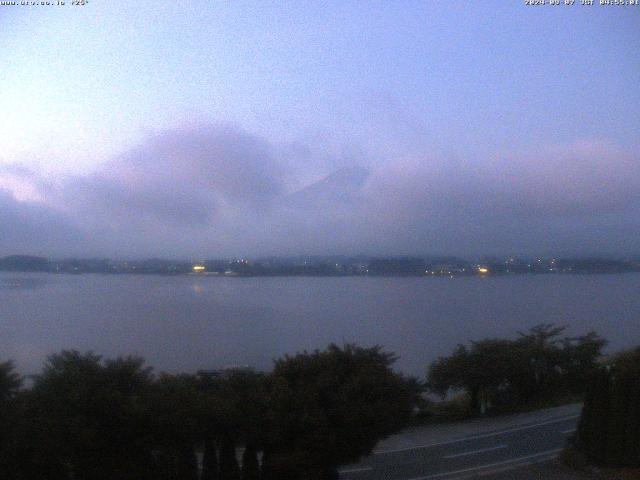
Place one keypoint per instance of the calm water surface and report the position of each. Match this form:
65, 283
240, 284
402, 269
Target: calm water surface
186, 323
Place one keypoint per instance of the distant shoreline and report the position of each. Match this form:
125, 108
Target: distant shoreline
328, 266
308, 275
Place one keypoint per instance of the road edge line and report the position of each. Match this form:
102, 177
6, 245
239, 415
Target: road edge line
475, 437
512, 463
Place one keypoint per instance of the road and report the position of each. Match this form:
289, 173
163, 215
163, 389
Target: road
528, 438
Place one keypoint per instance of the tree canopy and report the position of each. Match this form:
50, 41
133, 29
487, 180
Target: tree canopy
609, 427
537, 363
331, 407
10, 381
89, 418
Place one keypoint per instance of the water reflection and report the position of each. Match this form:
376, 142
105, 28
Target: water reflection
184, 323
21, 283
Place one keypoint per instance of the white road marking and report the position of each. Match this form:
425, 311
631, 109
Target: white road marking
565, 432
549, 453
475, 437
353, 470
456, 455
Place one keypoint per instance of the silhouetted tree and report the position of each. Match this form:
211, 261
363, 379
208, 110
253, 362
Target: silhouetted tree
237, 414
483, 371
578, 360
175, 408
250, 465
10, 383
229, 468
537, 364
86, 419
331, 407
609, 427
538, 347
210, 469
449, 372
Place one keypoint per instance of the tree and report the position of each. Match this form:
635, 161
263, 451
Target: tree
484, 370
331, 407
234, 414
229, 468
10, 381
250, 465
449, 372
210, 469
540, 352
609, 427
538, 364
87, 419
176, 406
578, 360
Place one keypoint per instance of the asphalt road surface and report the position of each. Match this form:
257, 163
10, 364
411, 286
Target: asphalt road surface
485, 451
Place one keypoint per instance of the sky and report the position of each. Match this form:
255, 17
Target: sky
208, 129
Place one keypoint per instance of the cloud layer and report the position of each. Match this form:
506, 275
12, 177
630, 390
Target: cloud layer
217, 190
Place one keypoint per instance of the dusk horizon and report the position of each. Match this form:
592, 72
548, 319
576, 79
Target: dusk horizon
240, 128
319, 240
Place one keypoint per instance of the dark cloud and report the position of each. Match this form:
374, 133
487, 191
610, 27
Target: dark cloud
583, 180
217, 190
31, 227
182, 178
576, 198
106, 199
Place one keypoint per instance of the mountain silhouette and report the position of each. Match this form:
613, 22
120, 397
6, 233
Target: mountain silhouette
340, 186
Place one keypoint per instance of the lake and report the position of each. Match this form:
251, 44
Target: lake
185, 323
